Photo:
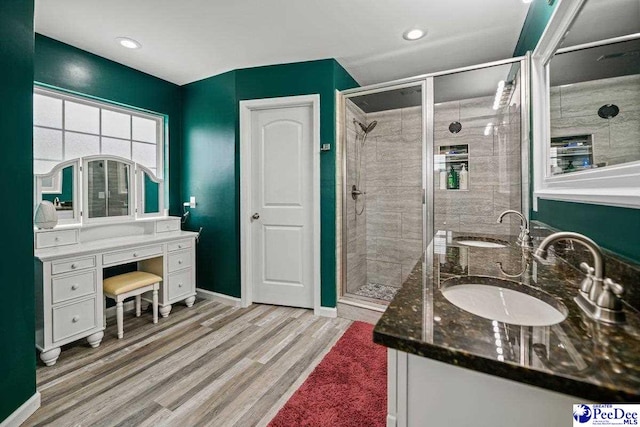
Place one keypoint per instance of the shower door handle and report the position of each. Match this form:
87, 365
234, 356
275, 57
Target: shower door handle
255, 216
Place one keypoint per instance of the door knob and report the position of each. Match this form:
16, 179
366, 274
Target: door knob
255, 216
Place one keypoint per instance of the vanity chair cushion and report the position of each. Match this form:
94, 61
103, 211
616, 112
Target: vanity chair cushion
126, 282
128, 285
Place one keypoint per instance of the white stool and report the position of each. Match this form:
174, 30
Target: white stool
128, 285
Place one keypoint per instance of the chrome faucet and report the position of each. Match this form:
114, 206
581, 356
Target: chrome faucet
524, 238
599, 297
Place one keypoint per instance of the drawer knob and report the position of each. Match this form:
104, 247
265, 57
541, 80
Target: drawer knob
179, 246
56, 239
74, 287
75, 319
179, 285
73, 266
179, 261
135, 254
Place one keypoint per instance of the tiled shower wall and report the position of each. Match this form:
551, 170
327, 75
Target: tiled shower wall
394, 195
356, 224
574, 111
385, 242
494, 173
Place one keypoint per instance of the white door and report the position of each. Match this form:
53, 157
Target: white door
281, 203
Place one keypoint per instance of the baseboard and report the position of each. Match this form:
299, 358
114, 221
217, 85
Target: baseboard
215, 296
391, 420
127, 306
21, 414
326, 311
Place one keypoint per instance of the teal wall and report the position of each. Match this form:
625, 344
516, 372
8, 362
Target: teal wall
209, 165
211, 154
66, 67
17, 354
614, 228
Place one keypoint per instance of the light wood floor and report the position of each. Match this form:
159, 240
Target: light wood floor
210, 365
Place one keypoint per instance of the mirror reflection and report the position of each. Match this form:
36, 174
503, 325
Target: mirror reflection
107, 188
60, 190
595, 107
595, 90
150, 194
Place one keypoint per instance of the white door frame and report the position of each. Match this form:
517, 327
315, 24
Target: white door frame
246, 263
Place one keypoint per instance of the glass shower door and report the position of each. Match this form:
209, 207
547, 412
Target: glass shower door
383, 186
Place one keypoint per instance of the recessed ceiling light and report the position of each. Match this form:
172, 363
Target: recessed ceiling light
128, 43
527, 1
413, 34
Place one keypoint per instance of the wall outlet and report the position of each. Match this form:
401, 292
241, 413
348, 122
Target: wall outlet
192, 201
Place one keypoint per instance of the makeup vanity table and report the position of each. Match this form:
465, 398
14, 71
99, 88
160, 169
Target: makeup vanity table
70, 261
69, 269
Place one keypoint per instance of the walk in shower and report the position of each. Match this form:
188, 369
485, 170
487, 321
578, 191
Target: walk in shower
424, 158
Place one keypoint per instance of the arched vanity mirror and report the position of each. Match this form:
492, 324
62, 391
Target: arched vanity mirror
108, 188
150, 195
99, 189
60, 187
586, 104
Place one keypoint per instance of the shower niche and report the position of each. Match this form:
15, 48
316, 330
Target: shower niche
451, 165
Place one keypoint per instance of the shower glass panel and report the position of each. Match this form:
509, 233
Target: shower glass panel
383, 191
477, 167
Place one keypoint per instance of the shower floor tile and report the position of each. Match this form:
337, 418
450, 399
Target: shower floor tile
374, 290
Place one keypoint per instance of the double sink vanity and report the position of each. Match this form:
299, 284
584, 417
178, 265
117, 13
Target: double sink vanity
483, 321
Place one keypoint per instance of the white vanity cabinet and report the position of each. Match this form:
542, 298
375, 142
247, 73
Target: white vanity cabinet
68, 304
69, 272
423, 391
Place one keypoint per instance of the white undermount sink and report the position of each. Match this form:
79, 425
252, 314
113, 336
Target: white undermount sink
480, 242
504, 301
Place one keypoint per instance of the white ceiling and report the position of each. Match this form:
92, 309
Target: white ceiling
188, 40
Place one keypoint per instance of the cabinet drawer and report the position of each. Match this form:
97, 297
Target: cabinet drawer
72, 265
179, 260
180, 284
176, 246
165, 225
72, 319
50, 239
64, 288
131, 255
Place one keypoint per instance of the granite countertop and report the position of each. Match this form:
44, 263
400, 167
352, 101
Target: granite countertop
578, 356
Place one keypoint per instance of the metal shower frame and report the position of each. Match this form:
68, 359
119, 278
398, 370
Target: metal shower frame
426, 82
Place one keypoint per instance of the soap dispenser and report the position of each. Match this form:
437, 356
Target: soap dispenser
452, 179
464, 184
443, 179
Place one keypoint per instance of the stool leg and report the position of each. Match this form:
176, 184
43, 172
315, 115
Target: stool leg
138, 303
120, 315
155, 306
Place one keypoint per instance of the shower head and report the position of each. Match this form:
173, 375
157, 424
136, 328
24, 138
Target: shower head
368, 128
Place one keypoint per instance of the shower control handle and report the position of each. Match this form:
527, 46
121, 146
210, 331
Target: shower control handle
255, 216
355, 193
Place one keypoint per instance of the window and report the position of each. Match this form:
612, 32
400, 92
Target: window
67, 127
